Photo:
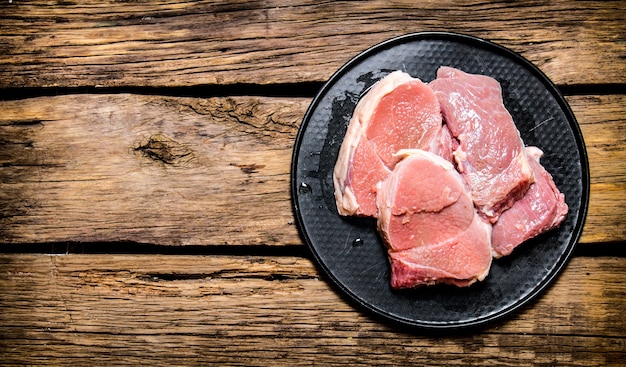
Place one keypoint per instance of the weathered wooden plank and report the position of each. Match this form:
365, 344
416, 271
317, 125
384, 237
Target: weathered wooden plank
148, 169
208, 350
171, 170
604, 134
251, 310
172, 43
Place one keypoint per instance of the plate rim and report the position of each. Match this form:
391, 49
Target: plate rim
578, 225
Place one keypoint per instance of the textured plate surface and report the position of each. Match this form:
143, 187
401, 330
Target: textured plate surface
350, 251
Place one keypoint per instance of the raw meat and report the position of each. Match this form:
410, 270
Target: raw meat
363, 172
542, 208
490, 154
399, 112
429, 224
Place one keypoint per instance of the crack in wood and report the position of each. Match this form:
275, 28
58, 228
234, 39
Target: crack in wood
249, 168
33, 122
223, 274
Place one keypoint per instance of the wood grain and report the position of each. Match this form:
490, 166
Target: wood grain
110, 309
175, 43
148, 169
604, 134
194, 171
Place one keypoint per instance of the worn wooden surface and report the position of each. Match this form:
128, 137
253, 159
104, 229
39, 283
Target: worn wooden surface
149, 309
146, 43
145, 215
148, 169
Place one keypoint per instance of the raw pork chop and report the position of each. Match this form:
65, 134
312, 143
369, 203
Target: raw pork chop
491, 153
542, 208
429, 224
399, 112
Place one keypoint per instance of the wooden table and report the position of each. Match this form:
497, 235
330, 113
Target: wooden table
145, 209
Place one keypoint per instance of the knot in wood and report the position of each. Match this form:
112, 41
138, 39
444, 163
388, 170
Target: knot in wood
163, 149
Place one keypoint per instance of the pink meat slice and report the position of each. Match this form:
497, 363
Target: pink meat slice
490, 154
399, 112
407, 117
428, 222
541, 209
365, 170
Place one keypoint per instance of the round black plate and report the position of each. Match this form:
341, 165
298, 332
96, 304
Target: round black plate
350, 251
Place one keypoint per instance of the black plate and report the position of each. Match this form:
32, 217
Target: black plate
350, 251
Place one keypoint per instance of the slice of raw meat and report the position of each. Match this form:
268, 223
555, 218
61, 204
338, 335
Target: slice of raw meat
364, 170
542, 208
408, 117
429, 224
398, 112
490, 154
